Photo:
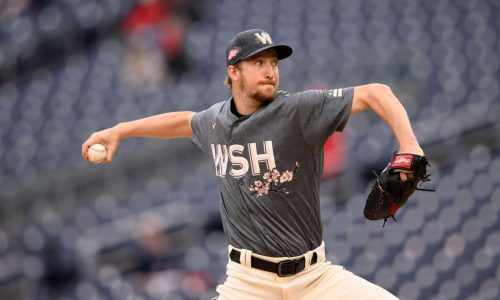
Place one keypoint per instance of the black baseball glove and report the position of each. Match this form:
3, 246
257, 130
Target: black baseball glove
389, 192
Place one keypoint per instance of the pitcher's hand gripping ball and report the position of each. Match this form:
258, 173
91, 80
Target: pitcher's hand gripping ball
389, 192
97, 153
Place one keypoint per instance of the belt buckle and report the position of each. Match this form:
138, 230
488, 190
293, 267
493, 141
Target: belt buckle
288, 267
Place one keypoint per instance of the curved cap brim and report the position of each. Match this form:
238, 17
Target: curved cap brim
283, 51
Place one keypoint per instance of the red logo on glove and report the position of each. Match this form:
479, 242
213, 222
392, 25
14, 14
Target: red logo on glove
402, 161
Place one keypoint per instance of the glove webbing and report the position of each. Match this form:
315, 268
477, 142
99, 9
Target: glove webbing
394, 207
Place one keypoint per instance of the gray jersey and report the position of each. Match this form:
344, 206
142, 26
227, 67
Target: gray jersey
269, 166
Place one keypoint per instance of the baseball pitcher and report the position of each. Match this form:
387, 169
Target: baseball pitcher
266, 146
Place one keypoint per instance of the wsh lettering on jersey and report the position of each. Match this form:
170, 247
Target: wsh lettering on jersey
240, 165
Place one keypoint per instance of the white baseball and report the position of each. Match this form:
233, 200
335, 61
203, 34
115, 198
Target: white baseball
97, 153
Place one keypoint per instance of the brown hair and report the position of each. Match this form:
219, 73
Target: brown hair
227, 81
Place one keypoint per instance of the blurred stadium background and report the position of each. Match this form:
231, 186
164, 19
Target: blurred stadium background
147, 226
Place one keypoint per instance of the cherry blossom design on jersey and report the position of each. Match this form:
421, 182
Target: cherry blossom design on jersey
273, 181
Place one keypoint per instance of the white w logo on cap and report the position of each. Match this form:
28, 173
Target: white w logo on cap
264, 38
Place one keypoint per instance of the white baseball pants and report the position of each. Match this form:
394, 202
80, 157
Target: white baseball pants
320, 281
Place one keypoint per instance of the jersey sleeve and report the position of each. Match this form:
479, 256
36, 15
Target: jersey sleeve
322, 112
200, 125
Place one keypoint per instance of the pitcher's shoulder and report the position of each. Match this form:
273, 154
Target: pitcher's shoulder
301, 95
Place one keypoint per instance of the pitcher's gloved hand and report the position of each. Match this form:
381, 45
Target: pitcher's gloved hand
390, 192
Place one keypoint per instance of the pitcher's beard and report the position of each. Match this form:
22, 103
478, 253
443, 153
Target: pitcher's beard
263, 98
257, 95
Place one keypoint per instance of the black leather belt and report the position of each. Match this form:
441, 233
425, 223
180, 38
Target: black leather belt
283, 268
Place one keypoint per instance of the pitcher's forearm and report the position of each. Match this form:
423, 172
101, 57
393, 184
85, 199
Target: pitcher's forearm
390, 109
164, 126
380, 99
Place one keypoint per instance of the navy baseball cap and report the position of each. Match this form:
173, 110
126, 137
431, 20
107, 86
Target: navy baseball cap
251, 42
